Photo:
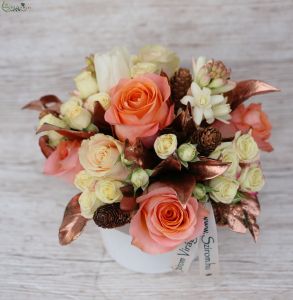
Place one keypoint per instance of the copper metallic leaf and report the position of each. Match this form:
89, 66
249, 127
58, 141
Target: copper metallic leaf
50, 102
73, 223
171, 163
45, 148
128, 203
70, 134
182, 182
99, 120
240, 216
140, 155
246, 89
207, 168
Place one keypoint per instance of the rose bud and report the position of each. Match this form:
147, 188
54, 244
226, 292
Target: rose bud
108, 191
246, 148
165, 145
200, 192
187, 152
102, 98
251, 179
54, 137
224, 189
140, 178
78, 117
86, 84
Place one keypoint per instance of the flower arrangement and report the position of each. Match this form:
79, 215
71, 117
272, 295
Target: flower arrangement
150, 143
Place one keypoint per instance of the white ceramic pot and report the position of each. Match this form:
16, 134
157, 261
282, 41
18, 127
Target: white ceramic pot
118, 244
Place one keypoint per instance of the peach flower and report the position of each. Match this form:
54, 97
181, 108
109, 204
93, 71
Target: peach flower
100, 157
64, 162
139, 107
249, 118
162, 223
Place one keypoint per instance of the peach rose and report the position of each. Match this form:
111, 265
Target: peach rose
246, 118
64, 161
161, 223
139, 107
100, 157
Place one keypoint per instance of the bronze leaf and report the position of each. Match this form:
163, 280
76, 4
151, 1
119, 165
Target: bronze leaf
207, 168
50, 102
99, 120
246, 89
73, 222
45, 148
70, 134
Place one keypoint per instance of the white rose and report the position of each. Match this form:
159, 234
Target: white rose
86, 84
139, 178
142, 68
246, 147
108, 191
54, 137
165, 145
251, 179
187, 152
224, 189
111, 67
165, 59
230, 156
102, 98
77, 117
67, 105
89, 203
219, 150
83, 180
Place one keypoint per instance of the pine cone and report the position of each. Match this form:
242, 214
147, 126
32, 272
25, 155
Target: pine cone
180, 83
111, 216
207, 140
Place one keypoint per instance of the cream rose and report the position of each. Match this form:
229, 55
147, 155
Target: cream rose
86, 84
89, 203
139, 178
108, 191
224, 189
165, 145
71, 102
187, 152
251, 179
163, 58
230, 156
54, 137
142, 68
83, 180
77, 117
102, 98
246, 147
100, 156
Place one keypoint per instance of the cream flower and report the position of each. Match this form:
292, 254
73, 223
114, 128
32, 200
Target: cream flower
83, 180
246, 147
165, 145
86, 84
111, 67
139, 178
187, 152
142, 68
206, 106
89, 203
251, 179
102, 98
71, 102
226, 153
163, 58
77, 117
54, 137
100, 156
224, 189
108, 191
